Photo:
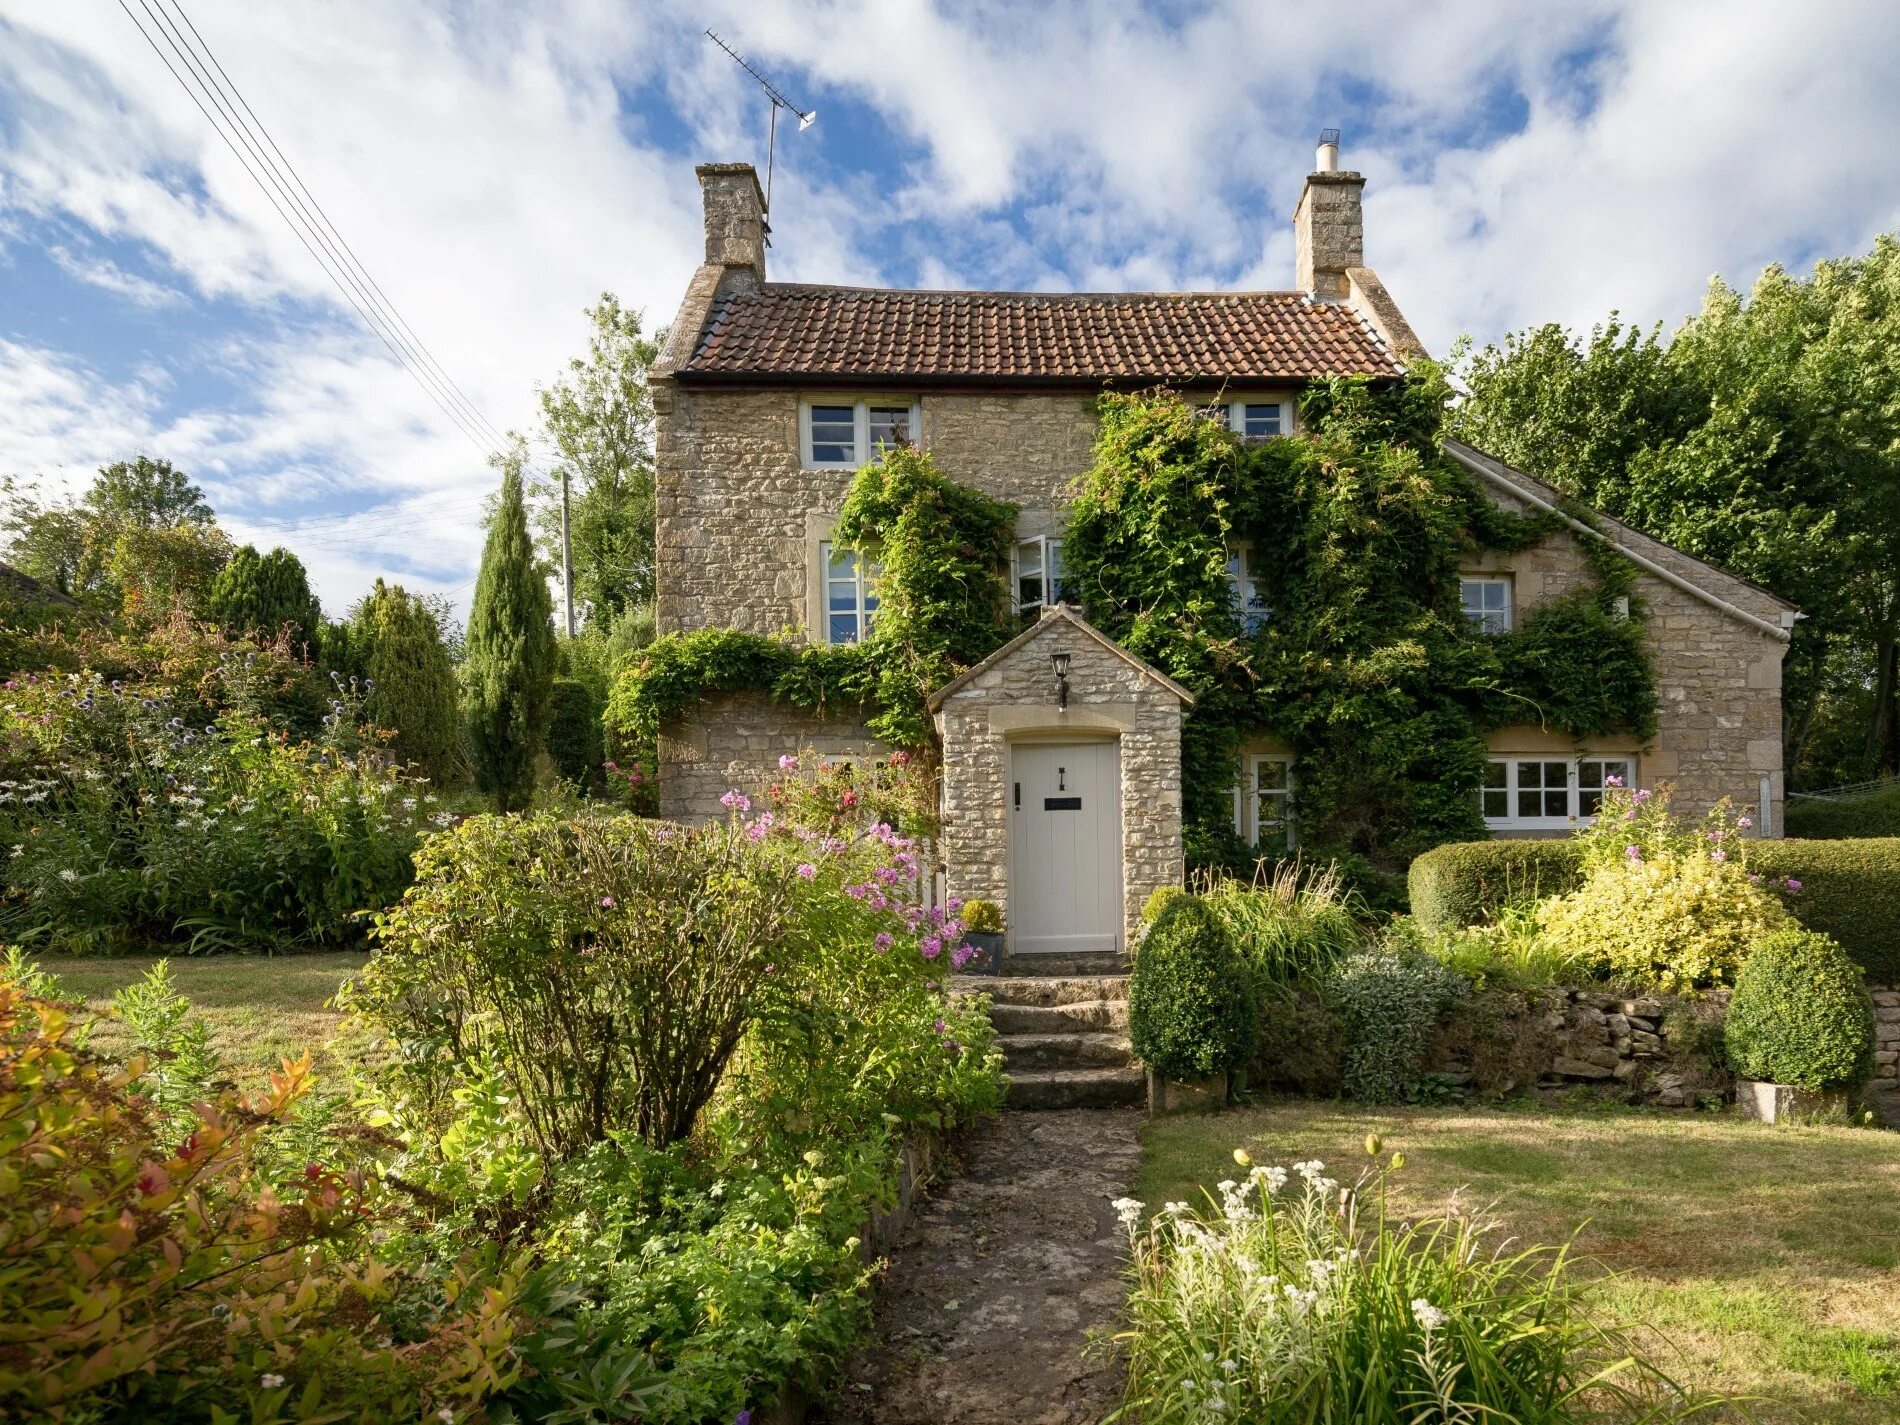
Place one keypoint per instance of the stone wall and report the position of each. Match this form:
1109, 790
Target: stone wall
735, 740
1883, 1094
1109, 696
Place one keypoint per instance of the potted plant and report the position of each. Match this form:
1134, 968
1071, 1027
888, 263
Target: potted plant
983, 933
1800, 1031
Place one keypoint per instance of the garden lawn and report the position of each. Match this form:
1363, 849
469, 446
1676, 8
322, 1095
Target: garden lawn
260, 1008
1766, 1258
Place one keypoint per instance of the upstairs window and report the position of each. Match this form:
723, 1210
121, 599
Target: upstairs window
1486, 600
846, 436
1039, 578
1250, 603
850, 592
1532, 793
1250, 419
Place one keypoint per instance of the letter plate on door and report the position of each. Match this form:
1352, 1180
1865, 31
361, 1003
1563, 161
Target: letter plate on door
1062, 804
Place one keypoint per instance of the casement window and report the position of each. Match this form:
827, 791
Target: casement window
845, 436
1251, 418
1250, 601
1531, 793
1263, 803
850, 592
1039, 578
1486, 600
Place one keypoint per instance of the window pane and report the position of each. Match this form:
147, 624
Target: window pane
1497, 804
844, 628
1530, 774
1528, 802
1260, 421
842, 561
834, 434
890, 425
1495, 774
1272, 775
1557, 803
1056, 583
1493, 596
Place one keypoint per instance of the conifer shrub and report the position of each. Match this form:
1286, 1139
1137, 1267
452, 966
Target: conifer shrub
412, 689
264, 594
510, 656
1801, 1015
1191, 1005
575, 737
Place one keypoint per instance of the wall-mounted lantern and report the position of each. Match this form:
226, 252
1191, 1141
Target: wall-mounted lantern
1060, 662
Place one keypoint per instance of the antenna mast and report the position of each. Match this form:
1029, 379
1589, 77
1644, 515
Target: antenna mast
806, 117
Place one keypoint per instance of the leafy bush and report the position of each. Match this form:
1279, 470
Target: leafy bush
1464, 882
982, 917
576, 743
1290, 1300
1159, 899
1290, 925
1848, 889
154, 1274
1191, 1009
127, 824
264, 594
1801, 1015
1822, 818
1662, 903
1512, 952
1386, 1001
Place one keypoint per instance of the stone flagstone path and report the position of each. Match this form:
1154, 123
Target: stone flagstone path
986, 1311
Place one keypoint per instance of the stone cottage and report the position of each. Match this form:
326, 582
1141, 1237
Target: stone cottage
1061, 796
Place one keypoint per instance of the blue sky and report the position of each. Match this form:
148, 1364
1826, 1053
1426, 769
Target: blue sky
497, 167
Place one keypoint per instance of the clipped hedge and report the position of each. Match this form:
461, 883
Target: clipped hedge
1191, 1010
1465, 882
576, 740
1800, 1015
1828, 818
1850, 889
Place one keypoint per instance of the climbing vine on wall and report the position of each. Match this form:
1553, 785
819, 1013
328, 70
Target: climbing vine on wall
1366, 666
942, 550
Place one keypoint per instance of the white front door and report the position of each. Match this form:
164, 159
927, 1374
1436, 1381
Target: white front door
1065, 819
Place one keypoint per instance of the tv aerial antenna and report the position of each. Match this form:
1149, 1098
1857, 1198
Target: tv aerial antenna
806, 117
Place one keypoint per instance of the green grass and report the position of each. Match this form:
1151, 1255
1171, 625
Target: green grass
1765, 1260
261, 1009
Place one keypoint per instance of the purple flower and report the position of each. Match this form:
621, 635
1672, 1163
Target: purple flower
930, 947
1643, 795
744, 1417
1612, 780
786, 763
1794, 885
1754, 879
1743, 822
941, 1027
806, 870
857, 893
606, 902
1635, 853
736, 799
883, 941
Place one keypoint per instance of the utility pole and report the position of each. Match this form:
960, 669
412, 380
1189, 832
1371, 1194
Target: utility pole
567, 559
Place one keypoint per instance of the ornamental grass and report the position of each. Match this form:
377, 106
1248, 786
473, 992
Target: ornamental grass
1293, 1298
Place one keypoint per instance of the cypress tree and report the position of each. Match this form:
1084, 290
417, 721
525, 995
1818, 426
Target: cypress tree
264, 594
412, 681
510, 655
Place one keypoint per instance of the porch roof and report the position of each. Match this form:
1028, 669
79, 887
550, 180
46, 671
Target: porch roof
1060, 613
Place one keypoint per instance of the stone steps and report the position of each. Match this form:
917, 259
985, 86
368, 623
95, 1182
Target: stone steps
1076, 1088
1064, 1039
1024, 1053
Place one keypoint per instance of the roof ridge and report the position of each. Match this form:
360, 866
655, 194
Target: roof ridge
771, 289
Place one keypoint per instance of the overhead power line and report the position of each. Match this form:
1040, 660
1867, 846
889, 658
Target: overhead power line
237, 124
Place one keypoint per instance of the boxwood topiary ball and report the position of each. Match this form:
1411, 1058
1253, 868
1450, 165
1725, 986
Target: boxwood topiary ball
1801, 1015
1191, 1012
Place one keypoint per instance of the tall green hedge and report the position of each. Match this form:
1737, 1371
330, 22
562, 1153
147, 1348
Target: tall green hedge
1849, 889
575, 736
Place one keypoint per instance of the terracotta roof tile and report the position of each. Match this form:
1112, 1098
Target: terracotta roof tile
791, 330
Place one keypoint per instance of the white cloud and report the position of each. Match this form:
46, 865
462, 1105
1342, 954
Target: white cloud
497, 167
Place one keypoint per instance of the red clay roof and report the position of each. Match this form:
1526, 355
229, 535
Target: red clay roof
789, 330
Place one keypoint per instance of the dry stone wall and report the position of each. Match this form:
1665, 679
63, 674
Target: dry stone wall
735, 741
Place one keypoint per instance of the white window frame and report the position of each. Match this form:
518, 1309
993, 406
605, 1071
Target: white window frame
1482, 618
1247, 820
1244, 586
865, 573
861, 447
1048, 552
1233, 414
1578, 792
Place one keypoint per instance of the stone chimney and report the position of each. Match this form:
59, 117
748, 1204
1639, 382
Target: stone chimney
1329, 233
735, 220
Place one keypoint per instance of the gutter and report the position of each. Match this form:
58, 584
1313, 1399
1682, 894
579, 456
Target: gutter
1643, 562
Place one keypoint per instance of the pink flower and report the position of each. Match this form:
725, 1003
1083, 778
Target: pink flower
606, 902
806, 870
737, 800
900, 759
1635, 853
1743, 822
788, 763
1612, 780
1643, 795
1718, 856
1754, 879
883, 941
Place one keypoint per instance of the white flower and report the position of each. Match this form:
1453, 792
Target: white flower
1174, 1209
68, 874
1310, 1169
446, 1415
270, 1380
1128, 1209
1429, 1317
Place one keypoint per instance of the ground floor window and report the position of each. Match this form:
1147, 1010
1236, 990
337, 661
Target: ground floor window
1263, 801
1531, 793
